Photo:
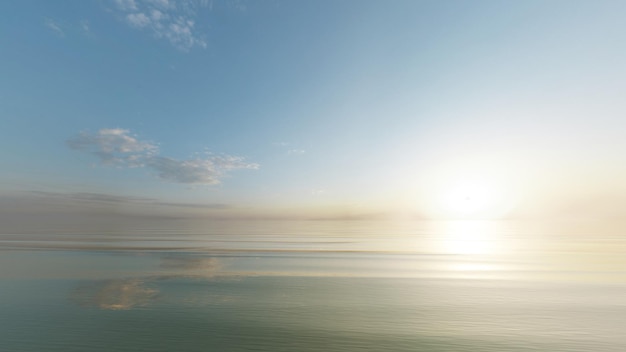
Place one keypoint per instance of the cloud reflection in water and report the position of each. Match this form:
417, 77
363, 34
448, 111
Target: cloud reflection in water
115, 294
128, 293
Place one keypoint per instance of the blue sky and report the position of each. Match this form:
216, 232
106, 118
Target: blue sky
311, 109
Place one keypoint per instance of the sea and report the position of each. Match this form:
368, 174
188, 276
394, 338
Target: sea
317, 285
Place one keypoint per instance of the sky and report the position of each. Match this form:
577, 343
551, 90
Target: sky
311, 109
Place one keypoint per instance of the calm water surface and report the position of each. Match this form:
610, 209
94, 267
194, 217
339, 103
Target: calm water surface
315, 286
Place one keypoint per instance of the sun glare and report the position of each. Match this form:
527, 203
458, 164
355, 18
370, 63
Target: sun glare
472, 199
469, 198
473, 189
469, 238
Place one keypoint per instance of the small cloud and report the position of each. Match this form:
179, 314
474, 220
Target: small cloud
238, 5
126, 5
296, 151
119, 148
54, 26
318, 192
164, 4
114, 146
291, 151
172, 21
68, 29
156, 15
138, 20
84, 26
207, 171
207, 3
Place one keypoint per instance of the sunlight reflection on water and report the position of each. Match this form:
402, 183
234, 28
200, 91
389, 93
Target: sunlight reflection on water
354, 286
470, 237
486, 249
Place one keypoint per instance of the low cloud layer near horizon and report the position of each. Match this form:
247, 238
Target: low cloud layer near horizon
118, 147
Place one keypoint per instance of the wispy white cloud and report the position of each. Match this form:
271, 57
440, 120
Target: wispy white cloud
54, 26
126, 5
318, 191
203, 171
291, 150
84, 26
63, 29
114, 146
239, 5
119, 148
174, 21
138, 20
296, 151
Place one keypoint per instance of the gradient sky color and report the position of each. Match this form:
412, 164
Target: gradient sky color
311, 109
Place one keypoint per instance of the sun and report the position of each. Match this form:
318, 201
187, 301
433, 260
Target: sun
468, 193
472, 199
469, 198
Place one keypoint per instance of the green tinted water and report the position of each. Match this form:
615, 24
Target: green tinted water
251, 295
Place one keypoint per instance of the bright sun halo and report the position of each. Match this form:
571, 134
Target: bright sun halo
469, 198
